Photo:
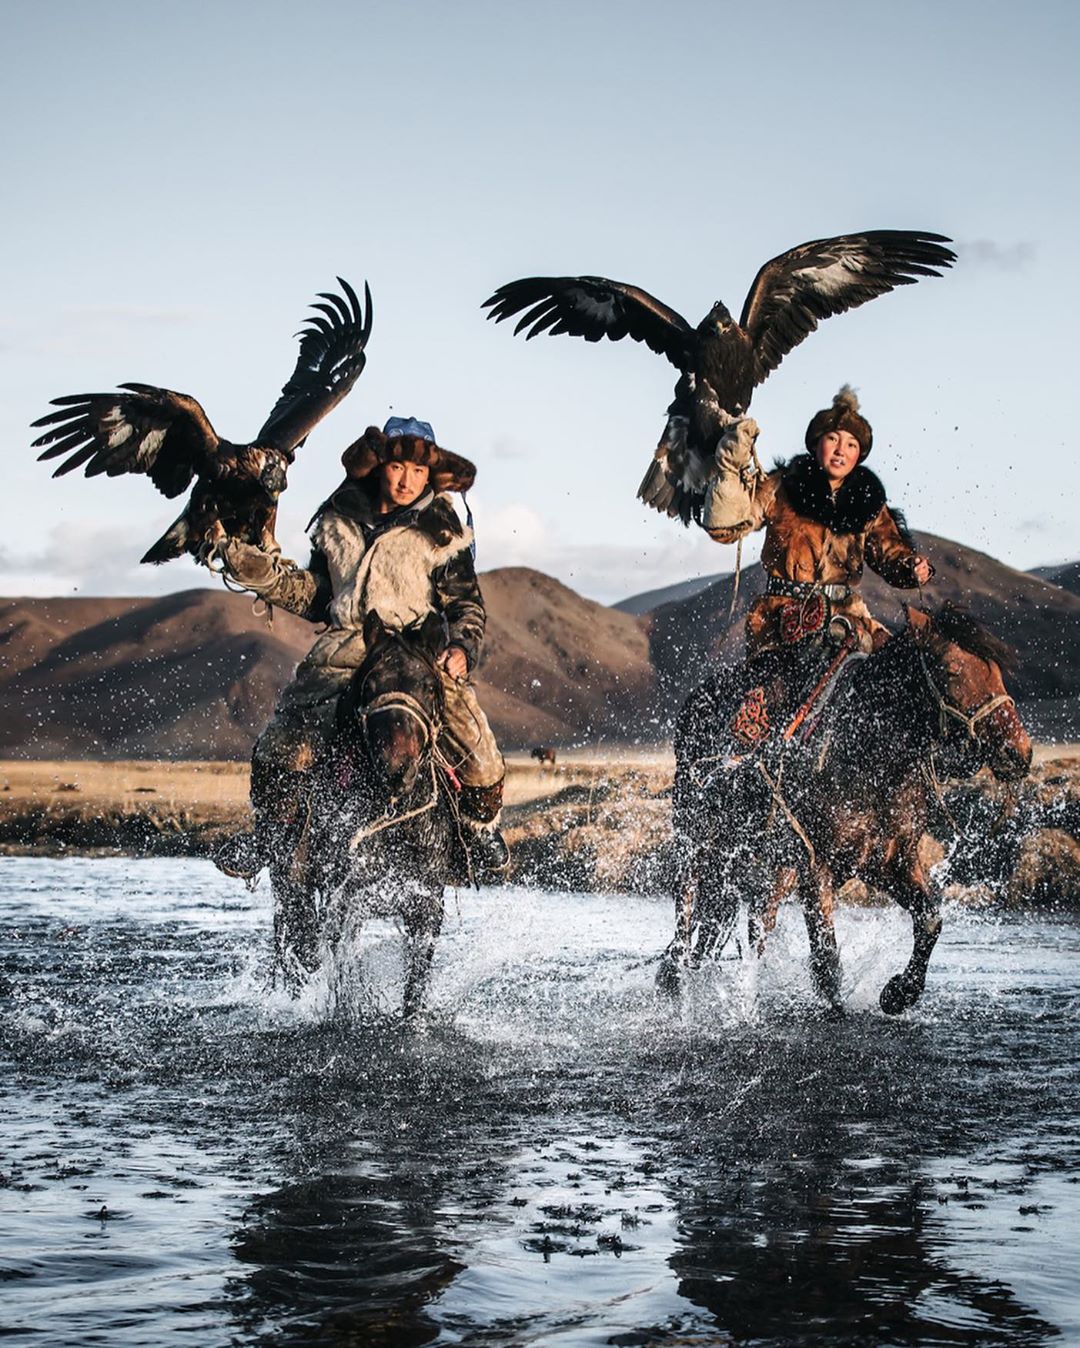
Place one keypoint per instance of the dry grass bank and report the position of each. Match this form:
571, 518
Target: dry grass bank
598, 820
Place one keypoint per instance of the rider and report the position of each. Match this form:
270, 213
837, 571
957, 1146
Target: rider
389, 542
824, 515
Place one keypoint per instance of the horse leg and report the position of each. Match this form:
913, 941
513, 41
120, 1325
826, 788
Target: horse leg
762, 919
911, 888
423, 922
824, 955
296, 924
677, 954
717, 909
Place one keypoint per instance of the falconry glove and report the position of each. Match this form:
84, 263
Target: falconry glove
729, 496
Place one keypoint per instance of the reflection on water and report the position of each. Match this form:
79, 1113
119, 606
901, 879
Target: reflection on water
556, 1157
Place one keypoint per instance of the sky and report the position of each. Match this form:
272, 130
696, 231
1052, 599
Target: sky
182, 178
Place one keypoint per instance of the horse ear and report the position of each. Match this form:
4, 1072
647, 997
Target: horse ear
917, 620
374, 630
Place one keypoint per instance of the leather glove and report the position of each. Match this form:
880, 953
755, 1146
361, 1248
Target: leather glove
250, 566
736, 446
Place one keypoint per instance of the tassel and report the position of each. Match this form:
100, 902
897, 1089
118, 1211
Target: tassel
469, 522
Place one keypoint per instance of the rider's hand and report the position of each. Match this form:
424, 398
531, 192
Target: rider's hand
923, 570
248, 565
454, 662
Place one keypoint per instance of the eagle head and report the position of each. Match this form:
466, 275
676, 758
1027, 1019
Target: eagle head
718, 319
273, 479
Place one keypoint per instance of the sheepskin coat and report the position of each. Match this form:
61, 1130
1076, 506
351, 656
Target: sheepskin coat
813, 535
401, 566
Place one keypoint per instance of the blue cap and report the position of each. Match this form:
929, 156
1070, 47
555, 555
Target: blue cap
397, 428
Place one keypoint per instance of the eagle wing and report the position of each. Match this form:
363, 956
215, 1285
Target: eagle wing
795, 291
593, 307
332, 355
145, 429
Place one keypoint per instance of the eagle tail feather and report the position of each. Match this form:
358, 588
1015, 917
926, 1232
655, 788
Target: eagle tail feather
172, 543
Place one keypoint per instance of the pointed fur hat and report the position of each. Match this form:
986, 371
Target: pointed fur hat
843, 415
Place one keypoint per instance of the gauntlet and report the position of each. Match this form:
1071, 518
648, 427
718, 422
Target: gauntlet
729, 496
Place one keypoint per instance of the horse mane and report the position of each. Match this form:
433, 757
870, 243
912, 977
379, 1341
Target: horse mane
955, 624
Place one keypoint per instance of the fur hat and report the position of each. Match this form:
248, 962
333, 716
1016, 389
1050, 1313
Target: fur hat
406, 440
843, 415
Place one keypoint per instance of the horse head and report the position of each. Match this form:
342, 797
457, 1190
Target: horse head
395, 700
962, 666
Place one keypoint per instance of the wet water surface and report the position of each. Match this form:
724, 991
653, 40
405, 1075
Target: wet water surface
554, 1157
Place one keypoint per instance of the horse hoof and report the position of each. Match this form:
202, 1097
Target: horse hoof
898, 995
667, 977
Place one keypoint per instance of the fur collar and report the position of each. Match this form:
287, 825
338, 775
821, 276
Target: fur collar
859, 499
388, 570
433, 514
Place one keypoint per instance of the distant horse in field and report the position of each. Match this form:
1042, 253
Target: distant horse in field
544, 755
852, 804
382, 837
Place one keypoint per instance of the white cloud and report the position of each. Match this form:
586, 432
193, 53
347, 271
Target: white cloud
990, 254
92, 560
664, 553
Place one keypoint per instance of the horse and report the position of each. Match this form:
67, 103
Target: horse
381, 836
544, 755
851, 804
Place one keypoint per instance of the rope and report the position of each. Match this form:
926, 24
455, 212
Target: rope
392, 821
738, 547
778, 799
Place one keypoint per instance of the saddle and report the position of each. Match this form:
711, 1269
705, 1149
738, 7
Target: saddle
795, 710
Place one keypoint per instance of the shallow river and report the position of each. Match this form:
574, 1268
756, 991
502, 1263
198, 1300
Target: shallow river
555, 1157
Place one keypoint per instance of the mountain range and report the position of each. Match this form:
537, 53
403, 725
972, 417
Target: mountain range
195, 674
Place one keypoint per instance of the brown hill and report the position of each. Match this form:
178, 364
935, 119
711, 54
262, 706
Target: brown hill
196, 674
1037, 618
1067, 575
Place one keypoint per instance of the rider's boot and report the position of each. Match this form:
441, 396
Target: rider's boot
274, 807
479, 807
244, 855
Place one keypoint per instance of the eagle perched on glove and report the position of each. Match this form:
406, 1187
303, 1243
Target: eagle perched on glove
721, 362
169, 437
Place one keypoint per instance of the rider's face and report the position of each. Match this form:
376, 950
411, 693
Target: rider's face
402, 483
838, 453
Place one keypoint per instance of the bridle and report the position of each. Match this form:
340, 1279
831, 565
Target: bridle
968, 719
396, 700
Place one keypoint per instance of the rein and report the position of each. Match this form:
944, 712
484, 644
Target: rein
969, 720
392, 820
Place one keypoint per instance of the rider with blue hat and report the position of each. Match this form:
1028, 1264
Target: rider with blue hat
389, 542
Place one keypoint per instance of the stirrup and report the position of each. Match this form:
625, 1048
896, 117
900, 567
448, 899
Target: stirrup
487, 849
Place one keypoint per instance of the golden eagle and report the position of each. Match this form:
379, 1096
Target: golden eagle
168, 436
720, 361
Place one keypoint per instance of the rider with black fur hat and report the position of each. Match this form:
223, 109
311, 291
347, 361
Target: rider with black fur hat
825, 515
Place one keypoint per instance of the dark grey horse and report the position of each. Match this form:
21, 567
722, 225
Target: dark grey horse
382, 835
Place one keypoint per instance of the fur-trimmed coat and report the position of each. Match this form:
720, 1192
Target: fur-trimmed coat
401, 566
815, 536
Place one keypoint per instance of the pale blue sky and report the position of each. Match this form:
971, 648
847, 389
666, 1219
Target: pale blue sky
181, 179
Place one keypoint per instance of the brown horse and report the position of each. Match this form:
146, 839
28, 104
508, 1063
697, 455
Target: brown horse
851, 803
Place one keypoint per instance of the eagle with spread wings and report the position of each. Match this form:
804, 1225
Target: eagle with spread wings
721, 362
168, 436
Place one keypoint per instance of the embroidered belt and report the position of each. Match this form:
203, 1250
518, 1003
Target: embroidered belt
804, 589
